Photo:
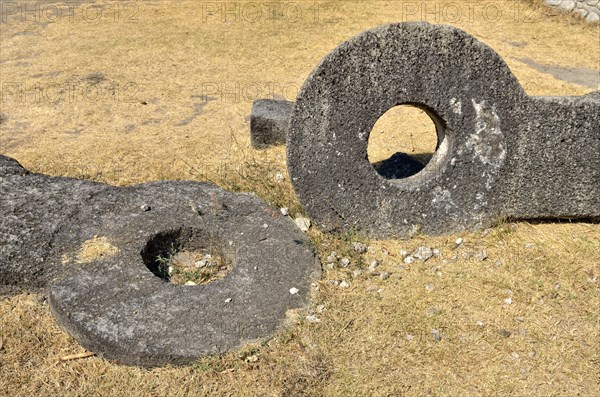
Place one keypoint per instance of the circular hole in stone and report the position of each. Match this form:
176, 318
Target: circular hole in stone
186, 256
404, 140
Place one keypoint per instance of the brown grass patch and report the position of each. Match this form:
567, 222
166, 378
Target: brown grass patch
181, 117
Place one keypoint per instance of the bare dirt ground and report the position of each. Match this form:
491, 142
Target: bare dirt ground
127, 92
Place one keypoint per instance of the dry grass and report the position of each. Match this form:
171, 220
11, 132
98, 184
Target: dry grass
375, 337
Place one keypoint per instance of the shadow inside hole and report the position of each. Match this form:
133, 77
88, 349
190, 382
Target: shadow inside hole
164, 248
401, 165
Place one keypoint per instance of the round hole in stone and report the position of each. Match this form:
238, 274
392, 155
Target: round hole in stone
404, 140
186, 256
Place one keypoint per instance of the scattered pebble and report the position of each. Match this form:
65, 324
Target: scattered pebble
385, 275
279, 176
458, 243
313, 319
529, 245
480, 323
514, 355
344, 262
265, 225
330, 266
403, 253
410, 337
344, 284
359, 247
320, 309
409, 259
190, 283
357, 273
423, 253
373, 265
429, 287
505, 333
332, 258
333, 282
436, 253
436, 335
251, 359
145, 207
228, 300
508, 301
284, 211
302, 223
481, 255
294, 291
401, 267
520, 319
206, 261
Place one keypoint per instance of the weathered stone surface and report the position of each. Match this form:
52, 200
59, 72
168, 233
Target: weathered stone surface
10, 166
33, 210
269, 122
111, 301
501, 154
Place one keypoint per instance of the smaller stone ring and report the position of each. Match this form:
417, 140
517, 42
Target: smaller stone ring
116, 306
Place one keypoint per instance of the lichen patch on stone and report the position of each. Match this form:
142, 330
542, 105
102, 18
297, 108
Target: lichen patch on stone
95, 248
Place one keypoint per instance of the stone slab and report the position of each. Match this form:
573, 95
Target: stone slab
113, 303
501, 153
269, 122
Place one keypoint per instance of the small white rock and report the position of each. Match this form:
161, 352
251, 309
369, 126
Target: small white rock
480, 323
429, 287
359, 247
190, 283
332, 258
265, 225
423, 253
320, 309
294, 290
357, 273
436, 335
313, 319
373, 265
384, 275
481, 255
228, 300
508, 301
409, 259
344, 284
302, 223
344, 262
284, 211
279, 176
403, 253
